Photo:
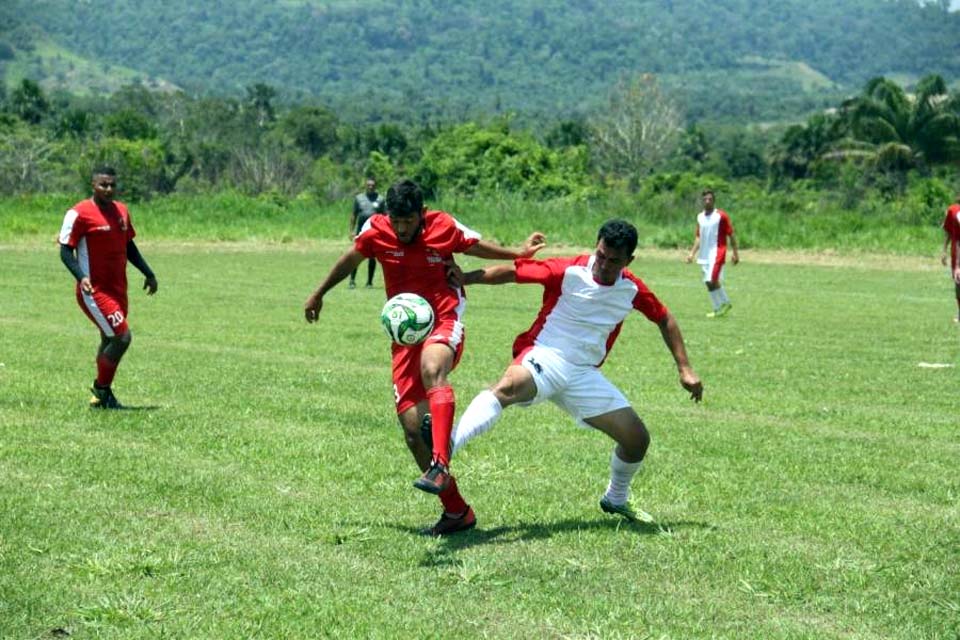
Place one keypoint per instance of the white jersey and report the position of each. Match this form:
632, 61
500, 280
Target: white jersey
581, 318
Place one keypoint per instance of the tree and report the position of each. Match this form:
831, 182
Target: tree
639, 128
312, 129
28, 102
260, 99
905, 131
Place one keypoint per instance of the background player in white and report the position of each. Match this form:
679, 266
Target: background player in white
710, 249
585, 301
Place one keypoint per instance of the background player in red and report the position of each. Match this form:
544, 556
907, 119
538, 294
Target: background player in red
96, 242
585, 301
710, 249
951, 240
414, 247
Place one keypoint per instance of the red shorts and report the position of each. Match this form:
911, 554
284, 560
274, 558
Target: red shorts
407, 382
106, 310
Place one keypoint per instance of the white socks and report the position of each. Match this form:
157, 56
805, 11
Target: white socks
715, 298
621, 473
482, 413
723, 295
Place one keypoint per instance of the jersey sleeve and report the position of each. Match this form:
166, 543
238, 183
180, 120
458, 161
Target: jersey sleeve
546, 272
131, 232
459, 237
366, 239
950, 222
726, 227
72, 229
646, 302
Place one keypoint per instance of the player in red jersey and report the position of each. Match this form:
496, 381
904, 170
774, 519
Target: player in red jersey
951, 231
585, 301
710, 249
96, 242
414, 247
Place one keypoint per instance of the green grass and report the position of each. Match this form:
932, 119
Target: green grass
808, 221
261, 487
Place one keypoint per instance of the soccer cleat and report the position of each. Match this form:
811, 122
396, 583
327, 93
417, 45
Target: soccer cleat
627, 510
352, 285
426, 430
369, 285
435, 479
448, 525
724, 309
714, 314
103, 398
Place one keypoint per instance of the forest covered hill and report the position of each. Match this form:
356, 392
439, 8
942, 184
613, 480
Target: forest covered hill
383, 59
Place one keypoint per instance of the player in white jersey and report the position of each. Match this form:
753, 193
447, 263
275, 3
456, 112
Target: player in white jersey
710, 249
585, 302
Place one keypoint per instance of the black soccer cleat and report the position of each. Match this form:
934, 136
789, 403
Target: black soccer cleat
435, 479
103, 398
448, 525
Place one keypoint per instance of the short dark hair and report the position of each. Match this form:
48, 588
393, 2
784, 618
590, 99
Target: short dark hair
404, 198
618, 234
103, 170
706, 191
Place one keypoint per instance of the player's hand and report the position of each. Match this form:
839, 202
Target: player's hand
943, 259
534, 243
85, 285
956, 275
311, 308
736, 258
689, 259
454, 274
690, 382
150, 284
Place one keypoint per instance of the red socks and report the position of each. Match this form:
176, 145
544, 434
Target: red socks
106, 369
452, 501
442, 407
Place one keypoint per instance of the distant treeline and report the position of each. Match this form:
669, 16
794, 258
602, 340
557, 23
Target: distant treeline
172, 142
387, 60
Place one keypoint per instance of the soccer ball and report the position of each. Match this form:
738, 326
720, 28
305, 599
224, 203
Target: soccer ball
407, 318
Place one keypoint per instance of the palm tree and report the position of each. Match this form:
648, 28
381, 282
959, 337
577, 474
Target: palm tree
897, 131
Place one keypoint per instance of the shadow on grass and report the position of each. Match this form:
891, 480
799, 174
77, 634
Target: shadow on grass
525, 532
128, 407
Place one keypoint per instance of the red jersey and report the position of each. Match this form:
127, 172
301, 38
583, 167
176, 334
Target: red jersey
951, 225
418, 267
100, 235
580, 317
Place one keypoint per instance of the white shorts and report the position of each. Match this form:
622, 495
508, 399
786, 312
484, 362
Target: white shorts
708, 272
582, 391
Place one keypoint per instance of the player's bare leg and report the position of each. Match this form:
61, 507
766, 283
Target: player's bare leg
632, 438
957, 290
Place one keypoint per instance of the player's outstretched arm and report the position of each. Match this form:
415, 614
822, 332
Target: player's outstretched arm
492, 251
736, 248
340, 270
497, 274
672, 337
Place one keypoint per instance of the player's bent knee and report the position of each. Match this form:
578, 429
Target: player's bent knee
635, 440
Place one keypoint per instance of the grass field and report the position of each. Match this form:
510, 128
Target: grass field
259, 487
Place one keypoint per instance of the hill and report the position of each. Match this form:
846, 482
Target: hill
729, 59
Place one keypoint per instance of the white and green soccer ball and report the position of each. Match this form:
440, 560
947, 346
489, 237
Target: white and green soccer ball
407, 318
